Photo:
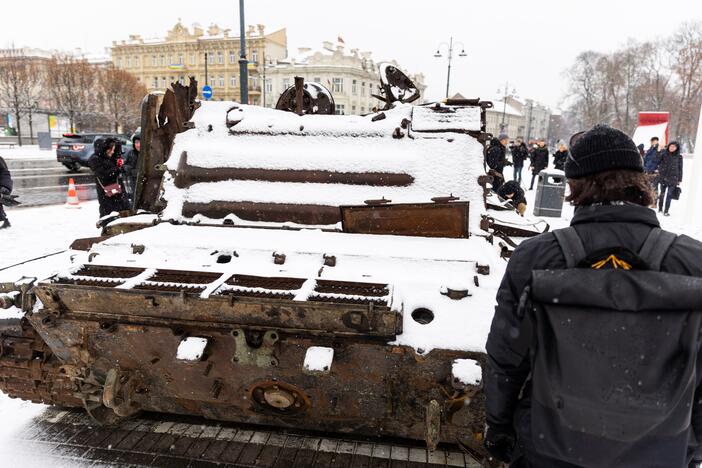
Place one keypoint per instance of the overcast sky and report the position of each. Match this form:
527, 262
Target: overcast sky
526, 42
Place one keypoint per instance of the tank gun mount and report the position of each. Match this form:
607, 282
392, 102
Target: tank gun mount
316, 99
395, 86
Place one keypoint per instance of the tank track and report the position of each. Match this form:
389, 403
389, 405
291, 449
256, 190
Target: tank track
28, 368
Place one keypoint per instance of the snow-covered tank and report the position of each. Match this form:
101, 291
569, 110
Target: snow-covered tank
332, 273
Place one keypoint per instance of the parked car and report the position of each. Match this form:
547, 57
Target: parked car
74, 150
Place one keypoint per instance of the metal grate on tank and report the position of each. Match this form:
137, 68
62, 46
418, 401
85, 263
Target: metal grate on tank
184, 277
170, 287
106, 271
341, 299
270, 283
87, 281
349, 288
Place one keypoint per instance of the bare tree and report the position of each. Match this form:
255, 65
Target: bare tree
120, 95
18, 75
661, 75
71, 82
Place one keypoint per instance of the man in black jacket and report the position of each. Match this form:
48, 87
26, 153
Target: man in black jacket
611, 195
670, 174
496, 159
520, 153
131, 166
539, 160
5, 189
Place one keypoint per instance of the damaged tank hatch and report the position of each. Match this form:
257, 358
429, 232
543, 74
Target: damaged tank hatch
286, 268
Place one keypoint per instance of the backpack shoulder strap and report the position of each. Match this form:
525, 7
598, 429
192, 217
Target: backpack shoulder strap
571, 245
656, 247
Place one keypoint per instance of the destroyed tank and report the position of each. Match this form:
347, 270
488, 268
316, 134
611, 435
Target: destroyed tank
282, 267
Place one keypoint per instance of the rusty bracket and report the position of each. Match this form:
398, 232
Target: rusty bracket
118, 392
262, 356
432, 428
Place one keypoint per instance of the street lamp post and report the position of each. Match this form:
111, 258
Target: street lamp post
504, 105
449, 46
243, 62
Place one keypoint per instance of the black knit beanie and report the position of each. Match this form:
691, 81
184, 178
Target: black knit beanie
602, 149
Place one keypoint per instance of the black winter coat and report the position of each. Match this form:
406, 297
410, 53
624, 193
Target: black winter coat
507, 391
495, 157
539, 159
670, 169
559, 159
519, 155
131, 162
512, 187
5, 178
106, 173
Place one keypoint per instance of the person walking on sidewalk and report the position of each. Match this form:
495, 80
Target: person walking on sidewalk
520, 153
539, 160
670, 173
588, 364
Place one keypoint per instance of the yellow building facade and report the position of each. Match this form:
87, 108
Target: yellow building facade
187, 52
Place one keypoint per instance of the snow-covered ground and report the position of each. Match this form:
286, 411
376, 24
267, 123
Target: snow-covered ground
46, 230
27, 152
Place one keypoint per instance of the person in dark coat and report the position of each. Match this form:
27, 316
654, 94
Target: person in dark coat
560, 156
651, 157
520, 153
611, 197
496, 159
106, 166
539, 161
670, 173
514, 193
131, 166
5, 189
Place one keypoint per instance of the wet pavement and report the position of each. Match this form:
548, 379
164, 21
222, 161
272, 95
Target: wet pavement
68, 438
45, 182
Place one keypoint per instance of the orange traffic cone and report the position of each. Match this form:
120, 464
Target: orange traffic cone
72, 198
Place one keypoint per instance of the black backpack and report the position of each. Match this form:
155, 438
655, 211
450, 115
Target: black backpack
613, 344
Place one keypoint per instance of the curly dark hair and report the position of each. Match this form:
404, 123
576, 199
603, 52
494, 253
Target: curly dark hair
612, 186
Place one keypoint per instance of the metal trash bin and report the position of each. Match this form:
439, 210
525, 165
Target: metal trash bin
550, 192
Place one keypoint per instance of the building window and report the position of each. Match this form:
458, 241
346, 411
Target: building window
221, 81
253, 82
254, 57
269, 86
119, 62
232, 81
363, 110
339, 109
210, 58
220, 57
317, 79
153, 61
181, 80
163, 81
338, 85
192, 59
154, 84
136, 61
363, 88
163, 60
353, 109
232, 56
286, 84
354, 89
180, 59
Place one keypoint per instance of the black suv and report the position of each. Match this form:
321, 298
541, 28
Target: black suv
74, 150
